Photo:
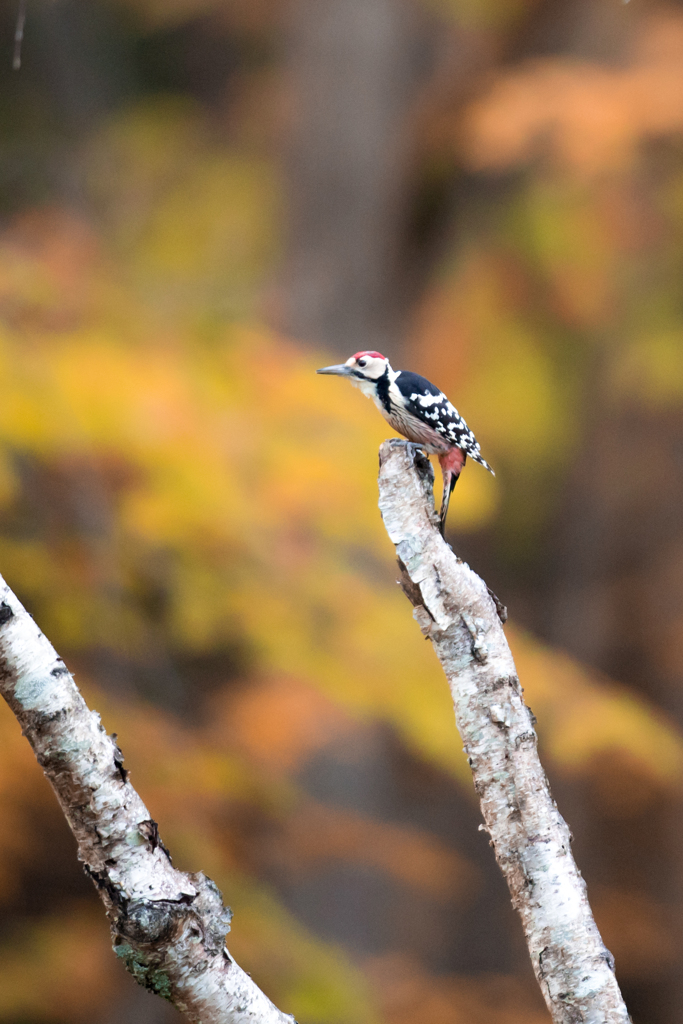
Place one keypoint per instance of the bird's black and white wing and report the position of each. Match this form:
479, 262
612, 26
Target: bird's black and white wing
425, 401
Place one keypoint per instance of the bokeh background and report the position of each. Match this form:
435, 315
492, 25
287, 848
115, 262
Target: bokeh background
201, 201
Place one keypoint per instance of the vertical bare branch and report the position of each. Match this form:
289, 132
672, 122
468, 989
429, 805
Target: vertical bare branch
168, 927
531, 840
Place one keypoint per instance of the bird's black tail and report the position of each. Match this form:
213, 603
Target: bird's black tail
449, 481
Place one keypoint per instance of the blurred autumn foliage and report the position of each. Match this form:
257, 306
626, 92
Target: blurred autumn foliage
191, 202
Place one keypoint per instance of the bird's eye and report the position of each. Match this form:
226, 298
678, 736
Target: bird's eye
362, 362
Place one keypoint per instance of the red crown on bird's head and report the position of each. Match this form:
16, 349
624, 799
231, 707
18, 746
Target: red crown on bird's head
371, 355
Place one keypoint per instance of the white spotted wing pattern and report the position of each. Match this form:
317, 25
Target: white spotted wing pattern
424, 414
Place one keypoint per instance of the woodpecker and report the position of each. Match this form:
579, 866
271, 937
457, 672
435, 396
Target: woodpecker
417, 409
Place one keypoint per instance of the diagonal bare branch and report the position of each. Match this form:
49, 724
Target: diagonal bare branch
168, 927
456, 611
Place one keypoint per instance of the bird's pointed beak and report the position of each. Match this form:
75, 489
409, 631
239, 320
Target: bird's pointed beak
341, 370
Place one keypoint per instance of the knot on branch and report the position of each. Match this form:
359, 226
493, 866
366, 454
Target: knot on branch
151, 923
161, 940
145, 922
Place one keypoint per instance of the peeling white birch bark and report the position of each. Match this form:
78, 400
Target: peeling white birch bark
168, 927
456, 611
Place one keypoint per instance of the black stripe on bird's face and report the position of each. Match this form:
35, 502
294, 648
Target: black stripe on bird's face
382, 384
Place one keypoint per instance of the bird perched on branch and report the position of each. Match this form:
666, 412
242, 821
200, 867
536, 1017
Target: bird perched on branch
419, 411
